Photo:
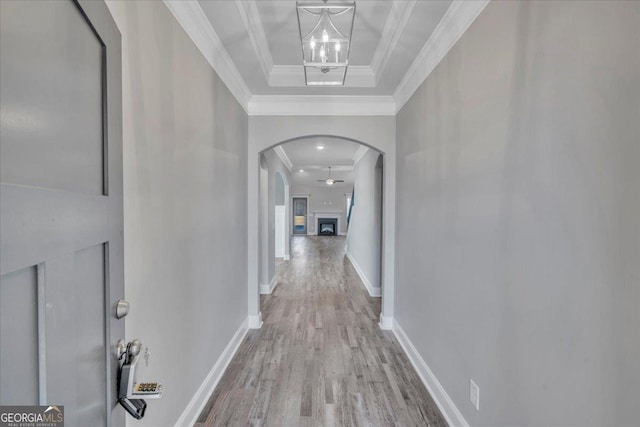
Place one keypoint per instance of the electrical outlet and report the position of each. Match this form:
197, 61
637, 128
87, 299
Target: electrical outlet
474, 395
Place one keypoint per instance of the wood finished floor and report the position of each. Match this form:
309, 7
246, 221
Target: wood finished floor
320, 358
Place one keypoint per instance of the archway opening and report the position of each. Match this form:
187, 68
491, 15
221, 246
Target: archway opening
335, 190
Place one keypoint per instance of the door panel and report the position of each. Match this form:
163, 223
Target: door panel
75, 291
61, 248
19, 345
52, 133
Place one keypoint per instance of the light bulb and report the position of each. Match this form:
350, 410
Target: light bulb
322, 52
338, 46
312, 43
325, 36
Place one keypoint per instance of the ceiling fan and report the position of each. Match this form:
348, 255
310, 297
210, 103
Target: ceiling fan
330, 181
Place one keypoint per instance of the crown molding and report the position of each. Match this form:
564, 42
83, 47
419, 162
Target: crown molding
283, 157
293, 76
289, 75
321, 105
193, 20
456, 20
393, 28
362, 150
253, 23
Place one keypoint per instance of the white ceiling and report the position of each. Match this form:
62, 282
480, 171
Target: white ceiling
338, 153
261, 38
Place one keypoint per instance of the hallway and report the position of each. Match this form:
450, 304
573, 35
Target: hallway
320, 357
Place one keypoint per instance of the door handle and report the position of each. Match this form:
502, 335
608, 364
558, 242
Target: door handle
131, 393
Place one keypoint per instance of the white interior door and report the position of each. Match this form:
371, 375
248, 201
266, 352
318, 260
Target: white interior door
61, 244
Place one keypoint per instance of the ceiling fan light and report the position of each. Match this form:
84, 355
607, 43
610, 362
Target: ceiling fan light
330, 181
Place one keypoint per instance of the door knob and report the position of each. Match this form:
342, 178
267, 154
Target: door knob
122, 308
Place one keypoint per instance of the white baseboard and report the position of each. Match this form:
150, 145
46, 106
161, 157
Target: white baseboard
192, 411
374, 291
447, 407
267, 289
386, 322
255, 322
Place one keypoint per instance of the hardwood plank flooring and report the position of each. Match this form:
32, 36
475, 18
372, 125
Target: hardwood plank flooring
320, 358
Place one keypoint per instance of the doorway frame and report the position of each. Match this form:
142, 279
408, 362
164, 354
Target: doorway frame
377, 132
298, 196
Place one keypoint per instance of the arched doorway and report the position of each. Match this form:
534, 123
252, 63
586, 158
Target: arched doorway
266, 132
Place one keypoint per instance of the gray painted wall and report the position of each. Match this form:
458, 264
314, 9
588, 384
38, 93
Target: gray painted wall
275, 166
185, 171
365, 229
279, 189
264, 221
518, 206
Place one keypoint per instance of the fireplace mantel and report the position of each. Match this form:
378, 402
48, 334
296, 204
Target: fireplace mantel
331, 215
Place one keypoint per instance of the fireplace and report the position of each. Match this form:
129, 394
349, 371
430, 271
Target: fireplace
327, 226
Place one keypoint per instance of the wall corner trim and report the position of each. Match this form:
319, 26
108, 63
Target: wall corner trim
456, 20
191, 413
441, 398
255, 321
195, 23
268, 289
374, 291
386, 322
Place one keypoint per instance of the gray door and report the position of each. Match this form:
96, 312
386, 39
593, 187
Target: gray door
61, 260
299, 215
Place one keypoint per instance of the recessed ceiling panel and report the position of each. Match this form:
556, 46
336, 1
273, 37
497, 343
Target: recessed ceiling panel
277, 68
227, 22
281, 27
371, 17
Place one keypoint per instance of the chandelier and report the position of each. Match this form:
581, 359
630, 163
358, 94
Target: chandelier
323, 30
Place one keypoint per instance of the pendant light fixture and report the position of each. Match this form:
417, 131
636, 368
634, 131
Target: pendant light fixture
325, 33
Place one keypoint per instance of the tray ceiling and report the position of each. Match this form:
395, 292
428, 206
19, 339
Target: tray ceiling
262, 39
254, 46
